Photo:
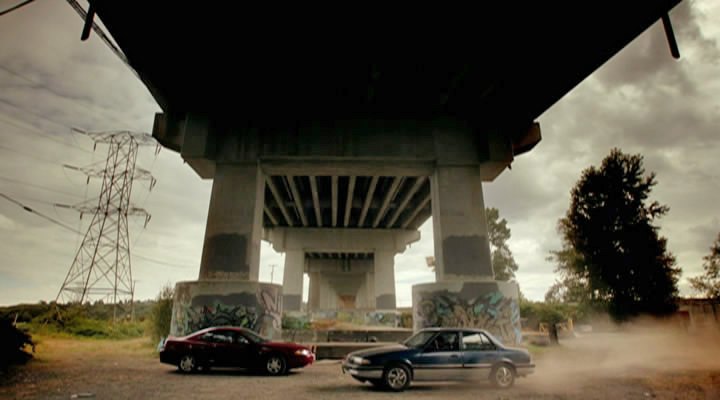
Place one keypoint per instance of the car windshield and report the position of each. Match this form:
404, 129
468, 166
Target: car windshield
494, 338
419, 339
254, 336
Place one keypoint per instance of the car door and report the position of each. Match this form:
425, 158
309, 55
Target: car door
478, 354
218, 350
242, 354
441, 358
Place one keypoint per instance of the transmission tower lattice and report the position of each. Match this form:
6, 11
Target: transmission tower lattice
101, 269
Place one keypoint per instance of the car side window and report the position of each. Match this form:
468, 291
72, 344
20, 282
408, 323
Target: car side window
217, 337
445, 341
240, 339
476, 341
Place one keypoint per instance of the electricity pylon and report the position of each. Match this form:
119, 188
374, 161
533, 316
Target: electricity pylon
101, 268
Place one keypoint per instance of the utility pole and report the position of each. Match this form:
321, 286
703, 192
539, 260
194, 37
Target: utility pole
102, 263
272, 272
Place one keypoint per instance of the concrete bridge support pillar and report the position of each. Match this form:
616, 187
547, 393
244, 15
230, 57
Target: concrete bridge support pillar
466, 293
227, 291
293, 280
385, 280
234, 224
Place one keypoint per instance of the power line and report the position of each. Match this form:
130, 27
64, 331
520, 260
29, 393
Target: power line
13, 8
38, 186
30, 210
20, 153
57, 93
38, 132
104, 37
71, 229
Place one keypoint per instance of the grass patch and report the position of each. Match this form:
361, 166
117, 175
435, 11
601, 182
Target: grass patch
79, 327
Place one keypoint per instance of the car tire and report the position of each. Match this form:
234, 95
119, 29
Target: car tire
187, 364
396, 377
503, 376
275, 365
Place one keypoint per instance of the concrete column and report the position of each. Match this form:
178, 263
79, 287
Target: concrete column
385, 280
314, 291
234, 224
293, 280
462, 249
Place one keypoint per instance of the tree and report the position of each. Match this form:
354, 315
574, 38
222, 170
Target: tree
709, 282
503, 263
610, 245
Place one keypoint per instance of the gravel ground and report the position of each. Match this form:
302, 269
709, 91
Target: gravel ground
588, 368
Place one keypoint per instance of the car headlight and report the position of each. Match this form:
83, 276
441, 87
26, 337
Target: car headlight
302, 352
359, 361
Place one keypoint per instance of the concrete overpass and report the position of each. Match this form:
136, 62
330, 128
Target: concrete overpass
336, 141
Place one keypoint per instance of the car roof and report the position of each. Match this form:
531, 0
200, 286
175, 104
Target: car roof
446, 329
215, 328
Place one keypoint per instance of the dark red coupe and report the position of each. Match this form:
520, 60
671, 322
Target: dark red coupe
233, 347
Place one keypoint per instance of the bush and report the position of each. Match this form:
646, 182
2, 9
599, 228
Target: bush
73, 320
161, 313
13, 342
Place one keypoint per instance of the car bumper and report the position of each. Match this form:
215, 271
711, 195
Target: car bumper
168, 358
301, 361
362, 371
524, 369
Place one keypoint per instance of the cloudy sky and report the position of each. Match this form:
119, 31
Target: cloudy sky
641, 101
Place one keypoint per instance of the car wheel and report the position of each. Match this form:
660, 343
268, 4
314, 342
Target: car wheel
187, 363
275, 365
503, 376
396, 377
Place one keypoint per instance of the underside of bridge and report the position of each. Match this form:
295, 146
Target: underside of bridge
335, 138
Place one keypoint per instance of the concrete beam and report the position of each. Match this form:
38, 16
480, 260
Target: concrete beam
416, 211
270, 215
316, 200
389, 195
368, 200
279, 200
334, 197
297, 199
349, 200
406, 199
347, 167
340, 240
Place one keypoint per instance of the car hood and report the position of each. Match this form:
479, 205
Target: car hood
394, 348
518, 349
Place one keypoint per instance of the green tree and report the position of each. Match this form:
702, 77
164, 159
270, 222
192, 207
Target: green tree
503, 263
622, 261
161, 313
708, 284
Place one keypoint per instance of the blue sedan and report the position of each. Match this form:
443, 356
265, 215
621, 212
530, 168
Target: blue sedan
440, 354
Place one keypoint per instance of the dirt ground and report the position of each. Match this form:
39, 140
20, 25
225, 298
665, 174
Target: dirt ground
640, 364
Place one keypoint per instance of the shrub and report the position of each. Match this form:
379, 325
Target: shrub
13, 343
161, 313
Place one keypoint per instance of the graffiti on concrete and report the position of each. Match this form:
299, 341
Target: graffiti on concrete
326, 319
258, 311
492, 311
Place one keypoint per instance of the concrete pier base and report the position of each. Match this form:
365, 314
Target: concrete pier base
491, 305
253, 305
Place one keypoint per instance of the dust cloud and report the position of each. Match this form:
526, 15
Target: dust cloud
643, 350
